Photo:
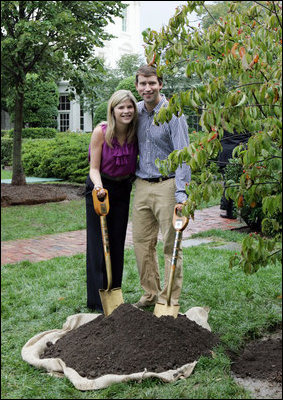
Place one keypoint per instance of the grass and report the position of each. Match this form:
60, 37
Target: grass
22, 222
40, 296
6, 174
227, 236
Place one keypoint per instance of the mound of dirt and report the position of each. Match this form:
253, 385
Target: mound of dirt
37, 193
130, 340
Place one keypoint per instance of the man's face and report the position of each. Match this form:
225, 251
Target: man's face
148, 88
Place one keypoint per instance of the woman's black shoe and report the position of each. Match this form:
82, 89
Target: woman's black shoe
96, 309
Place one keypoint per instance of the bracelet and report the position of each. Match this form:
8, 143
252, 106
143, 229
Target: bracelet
98, 187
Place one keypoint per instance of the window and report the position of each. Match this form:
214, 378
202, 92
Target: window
64, 122
124, 21
81, 117
64, 103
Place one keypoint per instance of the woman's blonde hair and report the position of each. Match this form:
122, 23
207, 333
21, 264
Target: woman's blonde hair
115, 99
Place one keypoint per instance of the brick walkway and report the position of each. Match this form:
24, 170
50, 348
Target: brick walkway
71, 243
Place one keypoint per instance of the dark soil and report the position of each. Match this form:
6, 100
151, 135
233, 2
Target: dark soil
260, 359
36, 193
130, 340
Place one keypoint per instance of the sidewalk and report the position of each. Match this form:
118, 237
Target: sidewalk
71, 243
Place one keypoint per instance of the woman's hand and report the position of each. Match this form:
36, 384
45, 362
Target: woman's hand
100, 192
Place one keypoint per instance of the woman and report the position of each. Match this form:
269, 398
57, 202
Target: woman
113, 156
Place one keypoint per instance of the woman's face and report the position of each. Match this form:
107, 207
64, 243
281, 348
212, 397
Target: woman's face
124, 112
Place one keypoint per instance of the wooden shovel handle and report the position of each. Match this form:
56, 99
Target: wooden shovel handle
106, 249
177, 244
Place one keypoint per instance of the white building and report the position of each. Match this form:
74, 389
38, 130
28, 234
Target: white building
128, 41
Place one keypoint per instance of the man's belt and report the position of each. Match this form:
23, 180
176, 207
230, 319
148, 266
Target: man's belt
160, 179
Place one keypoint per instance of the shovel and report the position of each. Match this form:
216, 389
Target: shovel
110, 298
179, 222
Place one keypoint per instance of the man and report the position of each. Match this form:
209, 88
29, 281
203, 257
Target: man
155, 195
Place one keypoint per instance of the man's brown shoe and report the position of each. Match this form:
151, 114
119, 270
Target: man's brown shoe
142, 304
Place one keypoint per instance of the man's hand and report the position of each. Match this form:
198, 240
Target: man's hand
180, 207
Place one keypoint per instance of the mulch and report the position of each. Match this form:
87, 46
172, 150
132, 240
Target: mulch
37, 193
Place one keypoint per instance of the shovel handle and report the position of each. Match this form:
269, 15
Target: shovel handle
177, 244
101, 206
106, 249
180, 222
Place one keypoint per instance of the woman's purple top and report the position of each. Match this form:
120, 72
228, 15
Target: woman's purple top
119, 160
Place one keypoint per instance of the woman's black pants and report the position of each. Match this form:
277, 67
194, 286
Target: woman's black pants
117, 220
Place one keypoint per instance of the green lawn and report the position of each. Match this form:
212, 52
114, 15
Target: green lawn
22, 222
6, 174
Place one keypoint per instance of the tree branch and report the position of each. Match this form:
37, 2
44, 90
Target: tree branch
263, 75
259, 106
260, 4
273, 3
211, 16
248, 84
275, 252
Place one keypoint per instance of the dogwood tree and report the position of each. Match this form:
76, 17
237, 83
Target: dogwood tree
49, 38
238, 59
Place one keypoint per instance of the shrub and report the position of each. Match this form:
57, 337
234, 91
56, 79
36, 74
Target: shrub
129, 84
6, 150
6, 132
37, 133
100, 113
64, 157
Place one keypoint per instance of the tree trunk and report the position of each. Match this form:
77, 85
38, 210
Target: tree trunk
18, 177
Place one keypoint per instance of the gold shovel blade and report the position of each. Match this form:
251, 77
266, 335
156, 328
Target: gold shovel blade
110, 299
165, 309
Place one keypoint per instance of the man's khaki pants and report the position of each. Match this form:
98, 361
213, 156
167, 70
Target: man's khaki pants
153, 208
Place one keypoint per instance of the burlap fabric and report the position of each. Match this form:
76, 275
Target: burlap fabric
56, 367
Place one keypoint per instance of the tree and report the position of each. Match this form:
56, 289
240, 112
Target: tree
41, 102
238, 59
128, 65
51, 39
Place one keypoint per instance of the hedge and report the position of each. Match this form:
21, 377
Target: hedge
32, 133
63, 157
6, 150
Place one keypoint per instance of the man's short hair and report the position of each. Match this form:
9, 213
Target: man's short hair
148, 70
